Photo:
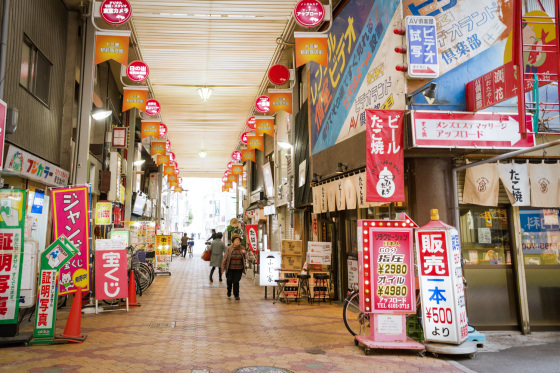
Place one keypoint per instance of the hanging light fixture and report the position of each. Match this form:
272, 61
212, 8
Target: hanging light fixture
101, 114
205, 93
202, 154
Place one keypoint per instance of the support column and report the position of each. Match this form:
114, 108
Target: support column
159, 192
130, 162
84, 124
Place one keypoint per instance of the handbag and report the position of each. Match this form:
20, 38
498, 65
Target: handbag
206, 255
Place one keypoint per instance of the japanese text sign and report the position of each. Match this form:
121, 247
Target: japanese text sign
137, 71
251, 123
236, 155
163, 253
309, 13
311, 47
255, 142
421, 36
162, 159
248, 154
110, 269
12, 223
71, 218
112, 45
103, 213
168, 170
237, 169
120, 137
262, 104
162, 130
265, 125
387, 266
280, 99
150, 129
115, 12
135, 98
432, 129
252, 237
270, 262
441, 283
152, 107
158, 148
232, 178
34, 168
385, 156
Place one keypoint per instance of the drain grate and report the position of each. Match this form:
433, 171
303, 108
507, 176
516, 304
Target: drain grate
316, 352
261, 369
162, 325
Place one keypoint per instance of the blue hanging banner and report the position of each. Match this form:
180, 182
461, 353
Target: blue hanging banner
38, 199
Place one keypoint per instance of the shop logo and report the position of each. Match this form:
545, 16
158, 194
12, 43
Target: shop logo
482, 184
16, 162
385, 186
544, 185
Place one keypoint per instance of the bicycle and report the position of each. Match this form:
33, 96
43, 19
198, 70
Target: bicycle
355, 321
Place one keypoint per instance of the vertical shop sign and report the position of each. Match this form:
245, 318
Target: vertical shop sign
421, 37
311, 46
12, 224
385, 156
255, 142
163, 253
103, 213
135, 98
270, 262
71, 218
441, 283
252, 237
56, 256
110, 269
150, 129
264, 126
280, 99
112, 45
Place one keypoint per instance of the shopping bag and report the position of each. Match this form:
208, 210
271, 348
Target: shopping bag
206, 256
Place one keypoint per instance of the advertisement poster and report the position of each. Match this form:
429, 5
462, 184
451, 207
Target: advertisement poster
12, 223
29, 166
163, 253
71, 218
111, 279
252, 237
385, 156
103, 213
270, 262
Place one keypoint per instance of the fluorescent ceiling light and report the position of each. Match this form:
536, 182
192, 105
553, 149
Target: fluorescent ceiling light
202, 154
205, 93
101, 114
284, 145
140, 162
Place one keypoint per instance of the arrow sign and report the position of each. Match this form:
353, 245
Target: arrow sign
468, 130
424, 70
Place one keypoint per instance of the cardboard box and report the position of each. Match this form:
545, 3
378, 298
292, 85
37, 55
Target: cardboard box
319, 248
318, 259
291, 262
291, 247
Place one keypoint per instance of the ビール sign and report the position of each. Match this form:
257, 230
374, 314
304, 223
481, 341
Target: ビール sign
115, 12
422, 52
111, 279
309, 13
137, 71
262, 104
152, 107
278, 74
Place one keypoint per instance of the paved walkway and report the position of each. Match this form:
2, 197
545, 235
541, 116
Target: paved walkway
212, 333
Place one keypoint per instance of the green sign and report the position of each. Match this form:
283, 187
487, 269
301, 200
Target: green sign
52, 260
124, 235
12, 223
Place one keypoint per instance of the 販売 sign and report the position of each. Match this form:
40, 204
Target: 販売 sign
422, 50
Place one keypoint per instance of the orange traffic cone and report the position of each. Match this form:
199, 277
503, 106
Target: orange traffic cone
72, 331
132, 291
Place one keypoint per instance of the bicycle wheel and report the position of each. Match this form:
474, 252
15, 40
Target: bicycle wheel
143, 276
150, 270
61, 301
355, 321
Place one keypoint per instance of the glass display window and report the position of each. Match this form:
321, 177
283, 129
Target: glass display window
540, 236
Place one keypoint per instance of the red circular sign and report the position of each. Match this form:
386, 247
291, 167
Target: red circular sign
180, 180
152, 107
177, 171
116, 12
278, 74
171, 155
137, 71
236, 155
229, 166
224, 178
162, 130
244, 137
252, 123
168, 146
309, 13
174, 164
263, 104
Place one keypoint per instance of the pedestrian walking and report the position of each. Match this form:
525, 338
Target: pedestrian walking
184, 244
233, 265
217, 248
212, 236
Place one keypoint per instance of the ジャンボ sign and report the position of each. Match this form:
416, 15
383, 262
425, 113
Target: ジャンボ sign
116, 12
309, 13
137, 71
438, 254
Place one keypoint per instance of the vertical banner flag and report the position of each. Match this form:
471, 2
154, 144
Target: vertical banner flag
237, 169
112, 45
482, 185
252, 237
158, 148
248, 155
232, 178
110, 269
168, 170
150, 129
71, 218
385, 156
103, 213
280, 99
311, 46
134, 97
12, 223
172, 178
515, 177
265, 125
163, 253
255, 142
162, 159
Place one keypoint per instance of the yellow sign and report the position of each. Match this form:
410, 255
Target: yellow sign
149, 129
103, 213
163, 245
112, 46
135, 97
237, 169
158, 147
311, 46
264, 125
254, 142
248, 155
279, 100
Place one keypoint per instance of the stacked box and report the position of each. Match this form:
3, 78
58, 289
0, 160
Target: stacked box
291, 287
291, 262
292, 255
291, 247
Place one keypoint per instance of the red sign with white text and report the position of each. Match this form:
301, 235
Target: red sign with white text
236, 155
439, 129
251, 123
162, 130
116, 12
244, 137
110, 269
278, 74
252, 237
385, 156
152, 107
262, 104
309, 13
137, 71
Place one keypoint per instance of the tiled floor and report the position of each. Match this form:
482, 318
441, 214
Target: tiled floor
212, 333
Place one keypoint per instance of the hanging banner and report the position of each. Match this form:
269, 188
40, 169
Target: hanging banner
350, 193
232, 178
168, 170
162, 159
158, 148
255, 142
12, 224
544, 184
482, 185
172, 178
515, 178
248, 155
280, 99
264, 125
150, 129
29, 166
331, 196
163, 253
385, 156
111, 279
178, 190
103, 213
252, 237
237, 169
135, 98
311, 46
71, 218
112, 45
340, 195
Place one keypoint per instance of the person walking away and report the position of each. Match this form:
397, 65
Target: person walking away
217, 248
212, 236
233, 265
184, 244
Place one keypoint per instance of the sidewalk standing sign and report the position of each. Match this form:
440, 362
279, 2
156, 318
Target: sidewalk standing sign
163, 254
110, 270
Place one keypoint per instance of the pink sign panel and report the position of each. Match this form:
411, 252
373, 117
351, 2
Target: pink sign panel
71, 218
116, 12
309, 13
137, 71
262, 104
152, 107
168, 146
251, 123
111, 280
171, 156
468, 130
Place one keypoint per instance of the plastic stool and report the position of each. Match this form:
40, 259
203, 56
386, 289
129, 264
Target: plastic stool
303, 286
281, 284
323, 281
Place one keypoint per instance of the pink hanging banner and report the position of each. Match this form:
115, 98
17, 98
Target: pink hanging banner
71, 218
385, 156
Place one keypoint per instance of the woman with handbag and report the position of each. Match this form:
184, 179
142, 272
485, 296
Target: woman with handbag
233, 265
217, 249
